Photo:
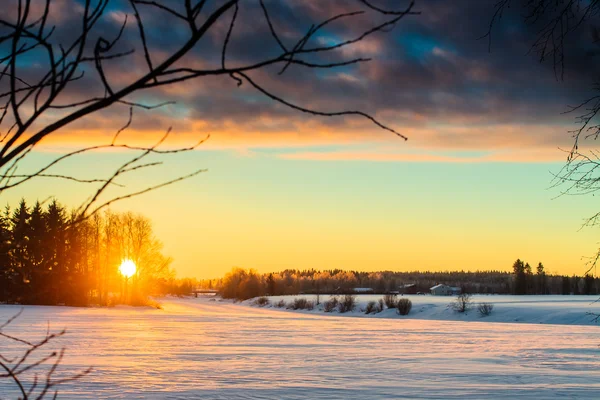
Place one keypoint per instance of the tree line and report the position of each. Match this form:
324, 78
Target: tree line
47, 257
525, 281
244, 284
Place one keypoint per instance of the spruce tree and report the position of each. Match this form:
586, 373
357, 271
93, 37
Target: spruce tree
6, 266
21, 268
541, 279
520, 286
36, 252
55, 251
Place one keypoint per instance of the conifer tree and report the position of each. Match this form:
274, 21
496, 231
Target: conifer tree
541, 279
520, 286
5, 259
36, 251
21, 270
56, 251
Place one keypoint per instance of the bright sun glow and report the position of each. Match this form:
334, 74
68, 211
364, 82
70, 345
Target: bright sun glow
127, 268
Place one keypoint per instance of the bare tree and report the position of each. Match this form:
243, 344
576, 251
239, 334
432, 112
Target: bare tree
462, 303
36, 103
555, 22
31, 367
485, 309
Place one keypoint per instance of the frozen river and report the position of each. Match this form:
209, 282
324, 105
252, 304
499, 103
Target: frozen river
197, 349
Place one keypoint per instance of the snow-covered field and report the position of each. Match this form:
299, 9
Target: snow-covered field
570, 310
201, 349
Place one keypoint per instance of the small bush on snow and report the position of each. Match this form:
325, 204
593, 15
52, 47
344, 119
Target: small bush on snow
280, 304
390, 300
261, 301
301, 304
462, 304
380, 305
404, 306
371, 307
485, 309
297, 304
330, 304
347, 303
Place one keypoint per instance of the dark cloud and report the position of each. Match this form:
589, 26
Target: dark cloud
431, 71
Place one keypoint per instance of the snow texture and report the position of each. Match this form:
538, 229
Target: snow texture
203, 349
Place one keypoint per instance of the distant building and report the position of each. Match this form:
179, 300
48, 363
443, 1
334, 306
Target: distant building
205, 292
444, 290
408, 288
362, 290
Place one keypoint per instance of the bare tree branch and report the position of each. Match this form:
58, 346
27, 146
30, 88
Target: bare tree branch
16, 369
25, 120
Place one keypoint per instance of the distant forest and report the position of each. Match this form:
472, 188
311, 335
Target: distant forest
245, 284
45, 258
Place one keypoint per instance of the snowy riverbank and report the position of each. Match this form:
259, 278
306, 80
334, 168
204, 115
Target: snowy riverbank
562, 310
203, 349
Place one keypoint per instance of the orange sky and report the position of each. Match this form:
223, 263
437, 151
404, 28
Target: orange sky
266, 211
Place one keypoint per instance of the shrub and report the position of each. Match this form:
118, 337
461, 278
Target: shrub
298, 304
280, 304
485, 309
462, 303
404, 306
370, 307
380, 305
390, 300
348, 303
330, 304
261, 301
301, 304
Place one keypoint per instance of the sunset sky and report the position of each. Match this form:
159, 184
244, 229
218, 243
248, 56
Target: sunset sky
470, 189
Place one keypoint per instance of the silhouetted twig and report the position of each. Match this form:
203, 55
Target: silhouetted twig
25, 100
34, 358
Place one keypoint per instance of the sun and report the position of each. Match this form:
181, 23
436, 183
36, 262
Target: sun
127, 268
